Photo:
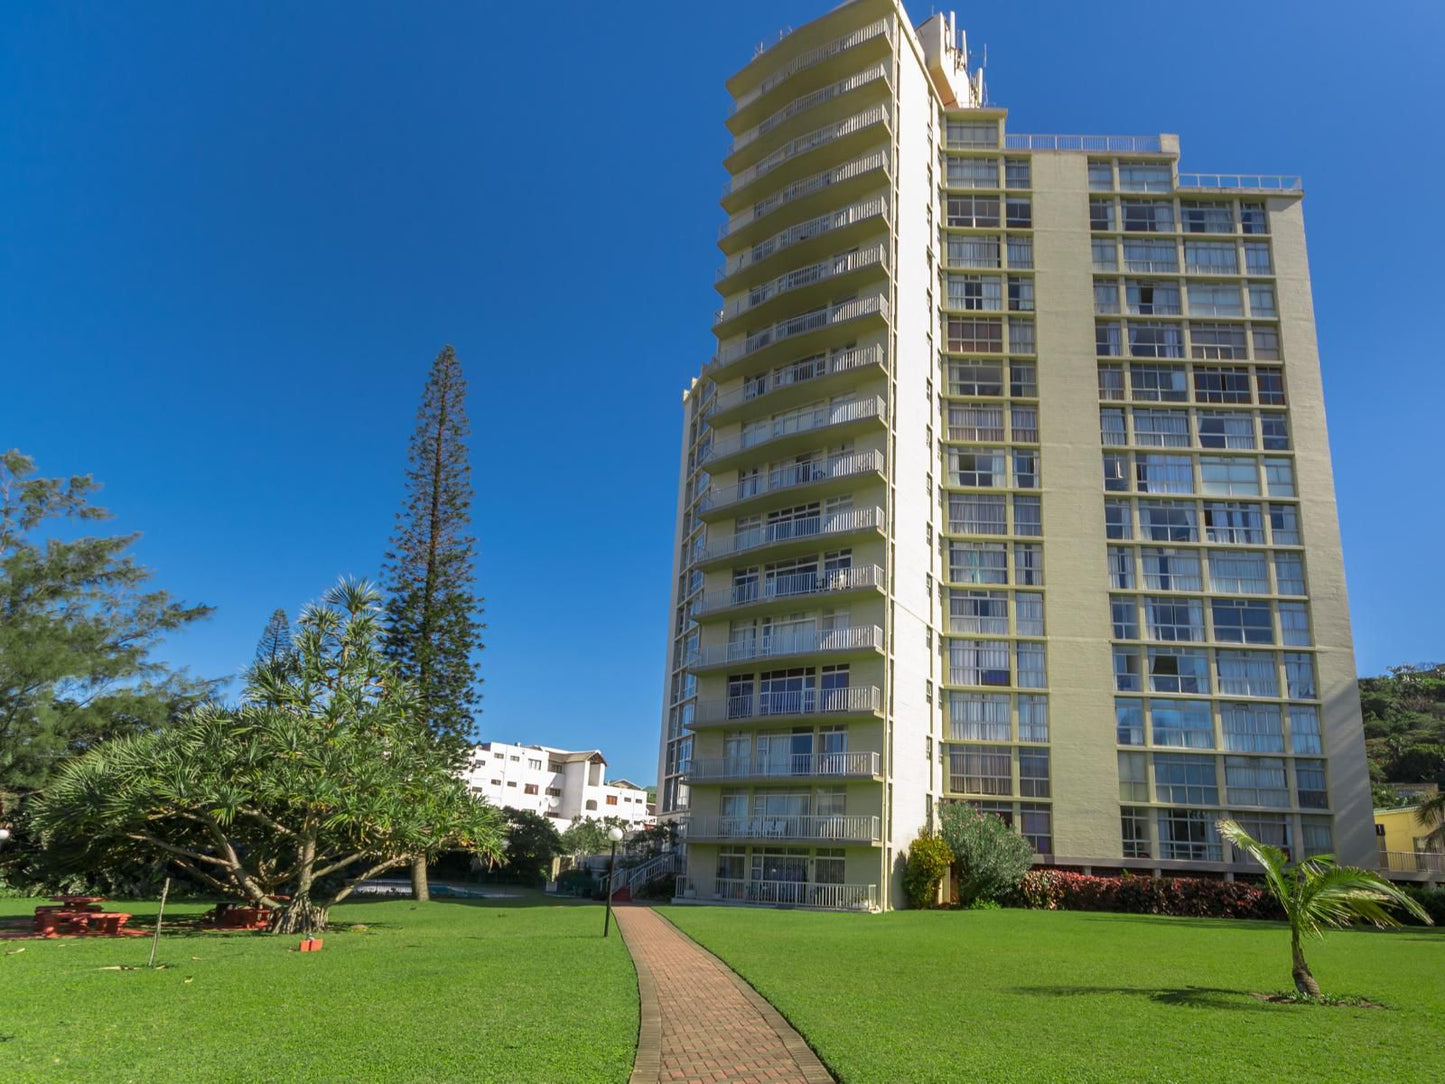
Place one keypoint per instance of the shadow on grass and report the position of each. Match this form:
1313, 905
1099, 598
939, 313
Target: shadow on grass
1188, 923
1190, 997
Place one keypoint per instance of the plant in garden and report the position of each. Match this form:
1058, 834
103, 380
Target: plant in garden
324, 776
1430, 814
532, 843
1317, 893
588, 836
992, 858
928, 860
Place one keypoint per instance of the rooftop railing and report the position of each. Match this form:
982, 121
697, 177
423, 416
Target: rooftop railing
810, 101
799, 372
842, 312
854, 700
806, 641
796, 585
789, 765
845, 465
805, 231
819, 137
840, 828
1242, 182
1115, 144
822, 417
798, 189
802, 276
813, 57
815, 526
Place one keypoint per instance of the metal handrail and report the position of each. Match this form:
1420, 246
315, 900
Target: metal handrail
794, 586
808, 275
878, 159
1126, 144
805, 421
812, 58
1243, 182
841, 826
805, 231
1412, 862
854, 700
809, 641
800, 372
818, 526
845, 465
802, 324
809, 101
808, 141
791, 764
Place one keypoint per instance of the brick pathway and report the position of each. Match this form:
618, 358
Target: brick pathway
700, 1022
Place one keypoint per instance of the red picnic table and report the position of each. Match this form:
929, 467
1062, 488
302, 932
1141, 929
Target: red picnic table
78, 914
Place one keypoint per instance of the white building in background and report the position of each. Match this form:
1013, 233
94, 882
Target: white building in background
557, 783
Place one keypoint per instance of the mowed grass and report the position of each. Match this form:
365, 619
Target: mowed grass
505, 990
1060, 996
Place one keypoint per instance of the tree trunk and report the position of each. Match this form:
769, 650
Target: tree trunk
301, 916
420, 890
1304, 981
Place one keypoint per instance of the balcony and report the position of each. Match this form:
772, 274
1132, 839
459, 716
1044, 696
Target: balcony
813, 100
790, 588
801, 828
794, 383
875, 34
735, 499
794, 286
857, 640
834, 226
788, 766
810, 196
795, 535
1418, 865
795, 431
1103, 144
805, 328
862, 701
1240, 182
847, 136
831, 897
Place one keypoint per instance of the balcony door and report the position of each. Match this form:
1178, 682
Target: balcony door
786, 692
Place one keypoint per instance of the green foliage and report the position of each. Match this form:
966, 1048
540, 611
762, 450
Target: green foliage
928, 860
1316, 893
575, 882
588, 836
532, 843
992, 858
1431, 901
322, 777
1404, 714
433, 626
275, 644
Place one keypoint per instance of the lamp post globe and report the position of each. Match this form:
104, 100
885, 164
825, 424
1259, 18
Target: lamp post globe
4, 834
615, 835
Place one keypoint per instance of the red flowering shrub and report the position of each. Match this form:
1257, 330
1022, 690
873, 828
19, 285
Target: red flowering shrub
1058, 890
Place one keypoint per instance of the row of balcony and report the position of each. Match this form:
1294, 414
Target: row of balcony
808, 101
768, 646
791, 587
809, 141
848, 465
796, 378
825, 225
880, 30
824, 271
839, 182
788, 765
793, 828
803, 531
870, 408
796, 327
772, 707
832, 897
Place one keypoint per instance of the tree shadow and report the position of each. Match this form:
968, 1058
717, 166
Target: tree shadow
1190, 997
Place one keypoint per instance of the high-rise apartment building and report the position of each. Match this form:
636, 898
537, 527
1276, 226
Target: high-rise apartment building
1008, 484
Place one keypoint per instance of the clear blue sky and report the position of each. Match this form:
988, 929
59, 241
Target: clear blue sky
232, 238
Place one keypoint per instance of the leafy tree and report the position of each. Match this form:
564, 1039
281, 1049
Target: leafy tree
1317, 893
275, 643
77, 630
587, 836
1404, 715
1431, 815
532, 843
929, 858
324, 776
992, 858
433, 626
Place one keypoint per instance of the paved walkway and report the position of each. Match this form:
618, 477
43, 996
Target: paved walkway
700, 1022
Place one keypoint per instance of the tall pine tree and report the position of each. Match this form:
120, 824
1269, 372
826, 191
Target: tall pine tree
433, 614
275, 643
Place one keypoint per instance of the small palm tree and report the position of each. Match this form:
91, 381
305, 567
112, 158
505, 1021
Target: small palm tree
1431, 814
1317, 893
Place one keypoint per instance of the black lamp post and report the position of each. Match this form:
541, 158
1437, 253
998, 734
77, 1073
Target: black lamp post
615, 834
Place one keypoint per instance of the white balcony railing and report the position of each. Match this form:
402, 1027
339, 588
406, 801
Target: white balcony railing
877, 207
799, 372
807, 186
808, 141
802, 276
1105, 143
810, 101
804, 641
805, 421
712, 769
856, 700
828, 316
1412, 862
847, 465
796, 585
835, 897
818, 526
1242, 182
813, 57
834, 828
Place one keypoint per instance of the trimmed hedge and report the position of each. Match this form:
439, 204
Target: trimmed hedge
1058, 890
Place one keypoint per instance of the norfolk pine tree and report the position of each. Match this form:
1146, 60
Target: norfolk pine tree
433, 626
275, 643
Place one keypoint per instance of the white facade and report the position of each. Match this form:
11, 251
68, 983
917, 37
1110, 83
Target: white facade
560, 784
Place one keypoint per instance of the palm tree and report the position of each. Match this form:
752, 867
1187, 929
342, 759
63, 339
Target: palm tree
1317, 893
1431, 815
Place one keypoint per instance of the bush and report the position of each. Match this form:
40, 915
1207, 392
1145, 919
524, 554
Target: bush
1432, 899
1059, 890
928, 860
659, 888
574, 882
991, 856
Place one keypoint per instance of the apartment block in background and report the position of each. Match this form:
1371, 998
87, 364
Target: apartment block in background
560, 784
1008, 484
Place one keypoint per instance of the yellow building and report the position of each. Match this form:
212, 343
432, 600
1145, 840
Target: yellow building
1008, 483
1408, 847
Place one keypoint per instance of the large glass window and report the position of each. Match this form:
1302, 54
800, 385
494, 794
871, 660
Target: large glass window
1186, 780
1242, 621
980, 769
978, 717
1186, 724
978, 662
1251, 728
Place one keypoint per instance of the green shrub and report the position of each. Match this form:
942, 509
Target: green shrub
1432, 899
574, 882
928, 860
992, 858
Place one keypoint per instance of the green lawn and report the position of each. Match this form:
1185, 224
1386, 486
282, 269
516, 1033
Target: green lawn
1058, 996
513, 991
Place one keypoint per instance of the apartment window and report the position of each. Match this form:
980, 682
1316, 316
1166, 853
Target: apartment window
1215, 299
1033, 773
499, 756
976, 514
1189, 834
1289, 574
1124, 617
1018, 212
965, 136
1134, 831
1274, 432
1023, 380
1111, 382
1168, 521
1033, 718
1299, 676
1294, 624
1229, 477
980, 769
1211, 257
1256, 258
1117, 521
1028, 564
530, 788
1024, 423
1020, 294
983, 252
1158, 383
1284, 525
1310, 781
1279, 477
1133, 777
1252, 218
1217, 341
1029, 614
1242, 621
1035, 825
1152, 298
1101, 214
1108, 341
1221, 384
1178, 670
1026, 469
1145, 177
1238, 572
1106, 298
1174, 619
1121, 568
1020, 252
1247, 673
1111, 427
611, 799
1105, 255
974, 336
1184, 779
1183, 724
1251, 728
1203, 217
1101, 176
978, 662
1171, 569
977, 467
1163, 474
1261, 299
1031, 669
1127, 671
1016, 173
1129, 721
1021, 335
1304, 729
1148, 216
1152, 340
1233, 523
979, 717
1027, 520
1161, 428
983, 292
496, 782
977, 562
553, 792
1266, 343
975, 378
1150, 257
983, 613
1317, 835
